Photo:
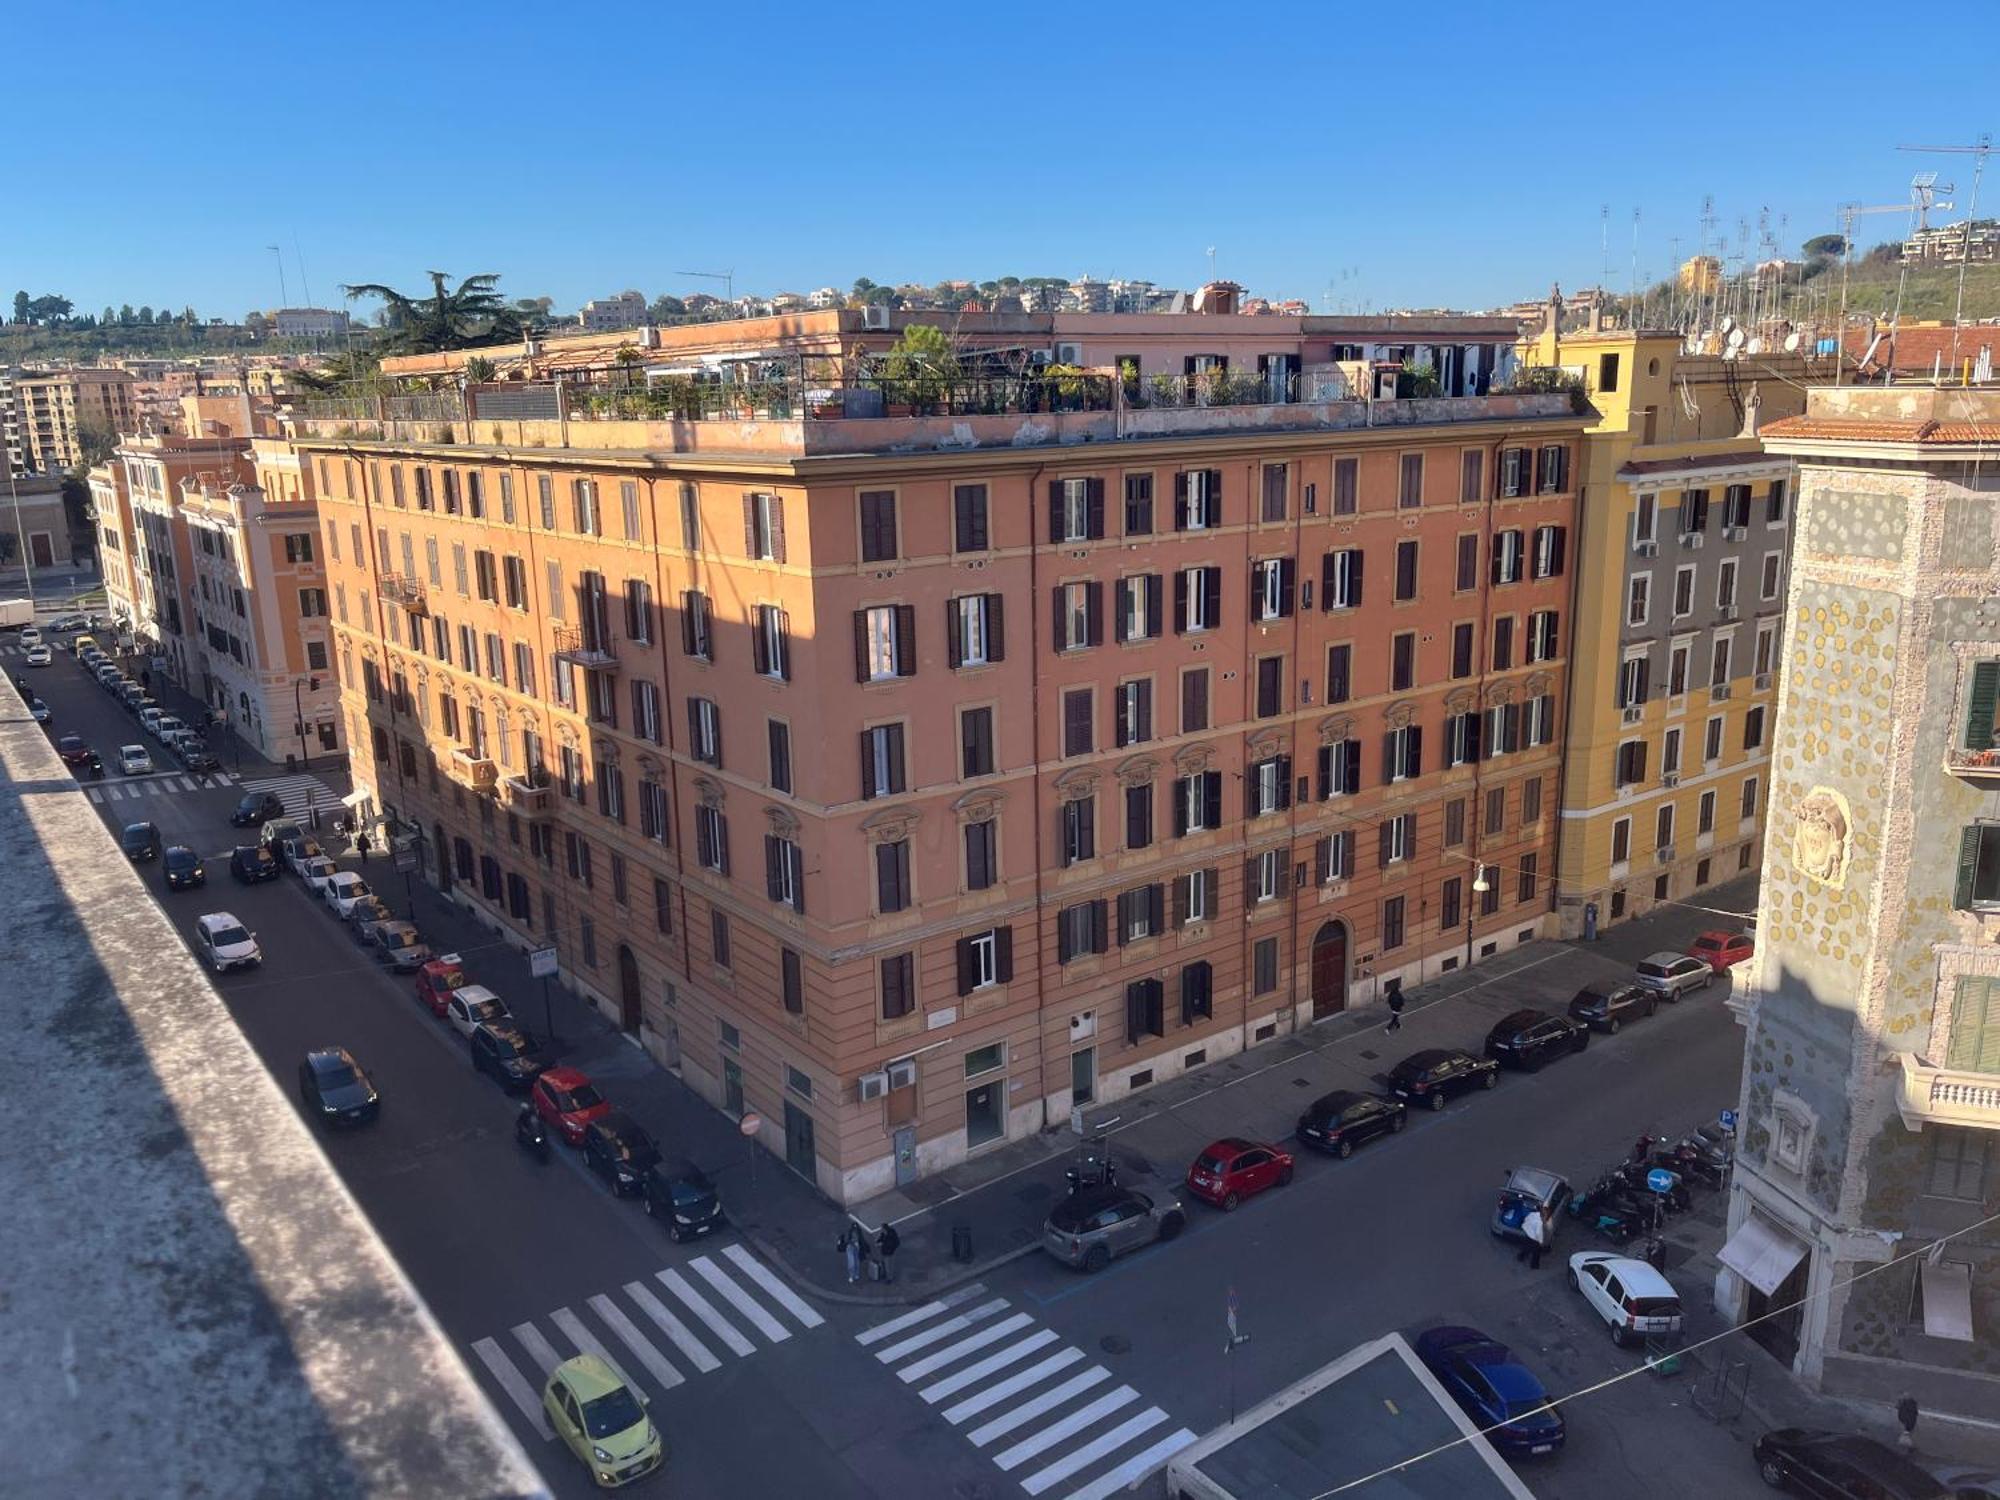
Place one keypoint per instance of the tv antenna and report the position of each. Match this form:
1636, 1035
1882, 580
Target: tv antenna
1211, 262
727, 278
284, 294
1978, 151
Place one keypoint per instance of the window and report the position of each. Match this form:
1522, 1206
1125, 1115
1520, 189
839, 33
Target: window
1264, 876
885, 642
1718, 674
1076, 510
1978, 882
1621, 841
1410, 481
1471, 476
1461, 651
1451, 903
1645, 519
1346, 486
764, 527
878, 525
1392, 922
784, 872
1704, 813
969, 518
1138, 505
524, 668
778, 737
1638, 599
1078, 711
718, 943
1194, 895
1339, 769
583, 504
1725, 585
792, 985
690, 516
1406, 571
1503, 643
1333, 856
1683, 590
1525, 891
1398, 837
1607, 372
1340, 579
1270, 785
1402, 661
1531, 801
1631, 763
1197, 803
507, 499
1277, 484
1516, 472
1270, 687
1549, 546
1198, 500
1670, 753
514, 580
1197, 992
899, 987
639, 611
982, 855
1079, 830
652, 809
705, 731
1079, 615
1958, 1164
975, 739
1141, 913
1694, 512
697, 626
1712, 741
1509, 556
1080, 930
1139, 816
1747, 805
1736, 505
298, 547
1466, 578
1542, 719
1753, 728
711, 839
1403, 753
1339, 673
1139, 615
892, 875
1544, 635
1271, 584
1197, 599
1461, 738
1194, 699
771, 642
882, 761
1974, 1045
1552, 469
984, 960
973, 631
1663, 827
1145, 1010
1774, 504
1132, 712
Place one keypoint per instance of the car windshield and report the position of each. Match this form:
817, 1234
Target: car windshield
510, 1044
225, 936
1653, 971
486, 1010
1653, 1307
584, 1096
181, 859
1210, 1162
139, 833
691, 1188
400, 939
611, 1413
337, 1076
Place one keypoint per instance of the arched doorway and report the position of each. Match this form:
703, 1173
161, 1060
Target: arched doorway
443, 847
628, 989
1329, 970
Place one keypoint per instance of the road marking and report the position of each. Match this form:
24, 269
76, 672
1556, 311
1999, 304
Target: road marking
783, 1295
992, 1334
938, 1331
952, 1385
1055, 1432
586, 1342
95, 794
928, 1310
641, 1346
683, 1338
1027, 1411
501, 1368
744, 1303
1129, 1472
540, 1350
703, 1309
993, 1395
1090, 1453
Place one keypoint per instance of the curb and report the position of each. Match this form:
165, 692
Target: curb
898, 1299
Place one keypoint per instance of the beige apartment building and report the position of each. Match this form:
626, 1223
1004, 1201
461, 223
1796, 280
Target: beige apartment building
53, 410
912, 779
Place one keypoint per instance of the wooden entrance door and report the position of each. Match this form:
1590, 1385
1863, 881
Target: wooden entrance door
1329, 970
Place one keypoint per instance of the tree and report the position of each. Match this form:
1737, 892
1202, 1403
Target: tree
49, 309
20, 307
108, 317
146, 313
1824, 244
95, 443
921, 366
472, 314
665, 309
348, 370
126, 315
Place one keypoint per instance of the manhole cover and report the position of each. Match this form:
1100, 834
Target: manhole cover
1113, 1343
1371, 1056
1301, 1083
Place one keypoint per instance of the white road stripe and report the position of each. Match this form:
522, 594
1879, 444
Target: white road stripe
741, 1300
587, 1342
1027, 1411
783, 1295
992, 1334
952, 1385
928, 1310
540, 1350
1090, 1453
672, 1327
518, 1390
1055, 1432
1129, 1472
703, 1309
993, 1395
95, 794
642, 1347
938, 1331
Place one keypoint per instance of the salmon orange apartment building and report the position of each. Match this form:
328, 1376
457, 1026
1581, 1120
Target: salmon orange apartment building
913, 762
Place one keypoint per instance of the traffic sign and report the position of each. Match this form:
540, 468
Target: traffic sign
751, 1123
542, 962
1729, 1119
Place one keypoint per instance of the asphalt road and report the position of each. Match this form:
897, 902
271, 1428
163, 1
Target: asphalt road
507, 1250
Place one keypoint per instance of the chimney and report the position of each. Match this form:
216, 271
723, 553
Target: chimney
1751, 403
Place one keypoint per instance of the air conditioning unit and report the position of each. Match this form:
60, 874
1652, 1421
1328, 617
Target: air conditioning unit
1693, 539
1634, 714
1647, 548
902, 1074
875, 315
1670, 778
1664, 854
1735, 533
1069, 354
1763, 682
1730, 612
1083, 1025
872, 1086
1719, 692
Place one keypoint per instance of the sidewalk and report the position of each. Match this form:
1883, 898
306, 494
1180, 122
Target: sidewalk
235, 754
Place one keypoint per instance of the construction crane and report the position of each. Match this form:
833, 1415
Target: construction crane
727, 278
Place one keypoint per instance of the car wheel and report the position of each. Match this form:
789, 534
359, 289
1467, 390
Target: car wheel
1437, 1101
1401, 1119
1490, 1079
1574, 1284
1772, 1473
1171, 1226
1582, 1040
1284, 1176
651, 1212
1344, 1148
1611, 1026
1230, 1203
1648, 1011
1096, 1258
1619, 1336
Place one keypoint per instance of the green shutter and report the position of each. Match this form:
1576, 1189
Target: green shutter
1980, 704
1968, 865
1975, 1027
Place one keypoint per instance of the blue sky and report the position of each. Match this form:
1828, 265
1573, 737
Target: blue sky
1444, 154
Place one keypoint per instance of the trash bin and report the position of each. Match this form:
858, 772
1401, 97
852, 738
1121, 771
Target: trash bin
961, 1242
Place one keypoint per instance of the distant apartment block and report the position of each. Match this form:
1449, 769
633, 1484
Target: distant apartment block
1947, 245
308, 323
609, 314
53, 411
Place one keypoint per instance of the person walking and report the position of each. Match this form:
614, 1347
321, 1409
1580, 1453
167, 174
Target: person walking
885, 1246
1395, 998
850, 1245
1534, 1230
361, 843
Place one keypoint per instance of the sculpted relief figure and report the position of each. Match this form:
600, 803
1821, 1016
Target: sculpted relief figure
1821, 832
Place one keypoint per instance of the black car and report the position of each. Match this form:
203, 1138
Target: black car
1529, 1038
365, 915
1433, 1076
184, 869
504, 1051
1342, 1120
1607, 1007
257, 808
335, 1088
1833, 1464
680, 1195
139, 841
616, 1149
197, 757
250, 863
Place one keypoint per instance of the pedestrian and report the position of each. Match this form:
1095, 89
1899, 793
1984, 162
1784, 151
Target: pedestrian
850, 1246
1533, 1233
885, 1246
1906, 1414
361, 843
1395, 996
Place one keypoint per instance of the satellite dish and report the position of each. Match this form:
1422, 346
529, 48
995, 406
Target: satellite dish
1755, 346
1736, 337
1727, 324
1791, 343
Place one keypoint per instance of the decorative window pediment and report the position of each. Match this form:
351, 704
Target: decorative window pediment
1072, 786
1139, 770
978, 807
708, 791
891, 825
784, 823
1336, 727
1191, 759
1400, 715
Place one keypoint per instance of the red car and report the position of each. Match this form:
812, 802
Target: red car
569, 1101
1722, 950
1231, 1170
437, 979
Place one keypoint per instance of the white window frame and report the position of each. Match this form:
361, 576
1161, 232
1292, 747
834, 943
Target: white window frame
879, 759
1725, 583
1197, 809
1132, 606
1670, 752
1724, 645
1196, 600
1344, 562
1544, 544
1076, 510
708, 727
1646, 518
1713, 732
1270, 589
788, 894
1541, 717
1543, 623
1639, 591
764, 533
881, 634
1670, 814
1633, 656
1402, 837
1196, 902
1617, 825
1076, 616
1772, 571
1269, 875
1676, 609
1751, 785
1704, 812
711, 819
972, 630
1399, 753
1683, 649
985, 951
1199, 501
777, 645
1766, 658
1270, 786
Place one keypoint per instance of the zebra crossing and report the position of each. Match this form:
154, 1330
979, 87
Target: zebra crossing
298, 793
149, 786
978, 1355
632, 1324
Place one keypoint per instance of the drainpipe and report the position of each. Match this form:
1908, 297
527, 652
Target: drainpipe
1581, 514
1035, 759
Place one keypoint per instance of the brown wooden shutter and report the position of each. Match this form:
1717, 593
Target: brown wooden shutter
967, 978
954, 635
1097, 938
1055, 510
1093, 596
1211, 583
897, 780
1003, 954
1180, 502
868, 787
996, 641
1094, 494
1180, 601
777, 528
1215, 515
749, 525
1057, 639
861, 645
906, 640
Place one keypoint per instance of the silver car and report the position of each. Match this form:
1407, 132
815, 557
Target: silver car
1090, 1228
1671, 975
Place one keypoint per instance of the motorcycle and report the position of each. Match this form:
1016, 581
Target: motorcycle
1659, 1182
1610, 1207
1093, 1167
1689, 1163
96, 768
530, 1134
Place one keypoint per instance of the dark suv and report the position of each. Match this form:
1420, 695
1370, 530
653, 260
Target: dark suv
1529, 1038
1835, 1464
1607, 1007
250, 863
681, 1194
503, 1052
1342, 1120
616, 1149
256, 808
1431, 1077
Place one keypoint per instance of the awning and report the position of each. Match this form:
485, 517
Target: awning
1948, 1300
356, 798
1762, 1255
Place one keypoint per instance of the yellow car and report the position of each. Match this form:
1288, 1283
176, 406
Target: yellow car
603, 1420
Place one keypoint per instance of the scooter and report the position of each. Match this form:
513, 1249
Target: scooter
530, 1134
96, 767
1690, 1163
1609, 1207
1667, 1185
1093, 1167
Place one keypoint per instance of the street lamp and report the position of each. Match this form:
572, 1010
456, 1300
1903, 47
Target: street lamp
1480, 886
298, 708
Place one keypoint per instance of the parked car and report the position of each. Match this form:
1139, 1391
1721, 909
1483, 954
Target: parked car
30, 636
1530, 1038
343, 891
1671, 975
1231, 1169
1837, 1465
196, 756
66, 623
149, 719
616, 1149
257, 810
275, 831
1634, 1300
317, 871
681, 1195
139, 841
167, 729
473, 1005
367, 914
133, 760
1504, 1398
39, 656
398, 945
226, 943
39, 711
250, 863
301, 853
602, 1420
1087, 1229
438, 978
183, 868
1607, 1007
1968, 1481
1343, 1119
1722, 950
1526, 1188
1435, 1074
569, 1101
335, 1089
73, 750
504, 1052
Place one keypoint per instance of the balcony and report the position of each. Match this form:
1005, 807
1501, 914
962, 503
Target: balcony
468, 768
587, 648
532, 796
398, 588
1980, 766
1946, 1096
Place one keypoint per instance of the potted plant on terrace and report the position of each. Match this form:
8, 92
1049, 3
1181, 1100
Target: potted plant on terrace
918, 372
